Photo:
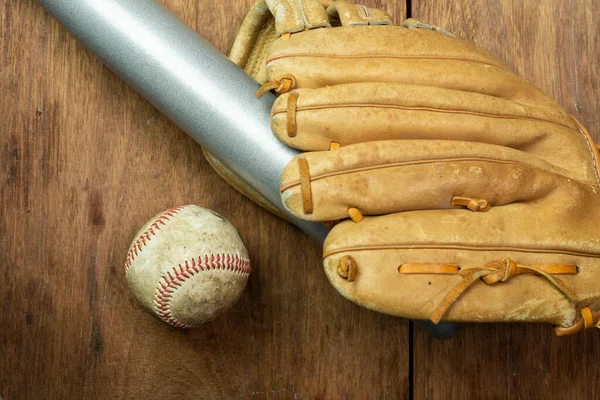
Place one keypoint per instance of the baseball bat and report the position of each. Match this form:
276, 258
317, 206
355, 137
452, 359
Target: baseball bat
196, 86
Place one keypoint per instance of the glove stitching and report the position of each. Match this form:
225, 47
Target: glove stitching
420, 108
421, 162
343, 56
459, 247
588, 141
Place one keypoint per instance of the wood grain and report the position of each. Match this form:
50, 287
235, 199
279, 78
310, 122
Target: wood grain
556, 46
84, 162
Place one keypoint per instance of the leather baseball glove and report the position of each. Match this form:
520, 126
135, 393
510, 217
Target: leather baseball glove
458, 191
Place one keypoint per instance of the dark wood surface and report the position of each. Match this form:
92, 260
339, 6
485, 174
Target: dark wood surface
556, 46
85, 161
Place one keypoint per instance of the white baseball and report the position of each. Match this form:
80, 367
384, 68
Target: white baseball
187, 265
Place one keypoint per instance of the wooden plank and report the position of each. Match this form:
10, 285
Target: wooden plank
85, 161
555, 45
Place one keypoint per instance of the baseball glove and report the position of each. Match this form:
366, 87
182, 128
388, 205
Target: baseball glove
458, 191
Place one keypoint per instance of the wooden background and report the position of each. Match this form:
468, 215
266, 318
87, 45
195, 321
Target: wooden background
85, 161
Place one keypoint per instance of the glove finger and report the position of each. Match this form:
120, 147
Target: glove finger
390, 176
521, 262
313, 119
322, 57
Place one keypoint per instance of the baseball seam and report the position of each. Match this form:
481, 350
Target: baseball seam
146, 236
173, 279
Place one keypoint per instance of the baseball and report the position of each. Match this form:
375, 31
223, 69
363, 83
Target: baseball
187, 265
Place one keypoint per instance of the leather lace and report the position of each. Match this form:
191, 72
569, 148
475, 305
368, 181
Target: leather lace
492, 273
283, 84
588, 320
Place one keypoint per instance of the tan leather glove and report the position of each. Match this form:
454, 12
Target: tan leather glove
464, 193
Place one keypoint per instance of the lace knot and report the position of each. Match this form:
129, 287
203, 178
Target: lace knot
282, 84
500, 271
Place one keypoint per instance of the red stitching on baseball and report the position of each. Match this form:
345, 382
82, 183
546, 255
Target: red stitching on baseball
146, 236
173, 279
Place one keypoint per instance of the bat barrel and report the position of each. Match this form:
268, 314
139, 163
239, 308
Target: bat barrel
191, 82
196, 86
